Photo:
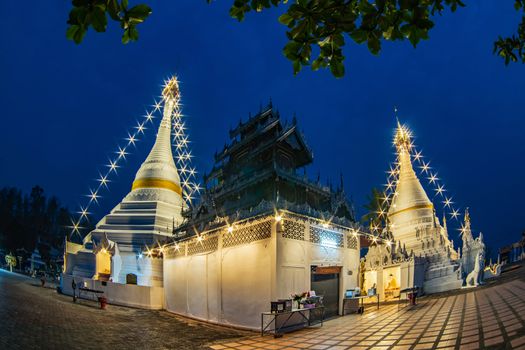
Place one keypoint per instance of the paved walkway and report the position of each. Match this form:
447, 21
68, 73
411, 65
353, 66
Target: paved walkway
32, 317
492, 316
489, 317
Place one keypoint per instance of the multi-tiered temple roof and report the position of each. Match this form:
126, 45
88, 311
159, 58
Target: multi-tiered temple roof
259, 171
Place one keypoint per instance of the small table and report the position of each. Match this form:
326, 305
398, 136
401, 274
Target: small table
360, 300
288, 321
407, 292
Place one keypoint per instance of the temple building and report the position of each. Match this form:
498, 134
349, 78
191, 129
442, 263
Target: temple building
262, 231
419, 252
112, 254
513, 252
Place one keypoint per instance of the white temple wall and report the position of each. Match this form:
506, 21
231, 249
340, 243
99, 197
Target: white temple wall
148, 270
230, 278
118, 294
302, 244
227, 280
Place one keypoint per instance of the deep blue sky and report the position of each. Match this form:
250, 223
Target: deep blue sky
66, 107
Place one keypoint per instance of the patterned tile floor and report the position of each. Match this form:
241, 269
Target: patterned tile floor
492, 316
488, 317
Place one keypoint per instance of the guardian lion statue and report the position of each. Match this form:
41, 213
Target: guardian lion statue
474, 278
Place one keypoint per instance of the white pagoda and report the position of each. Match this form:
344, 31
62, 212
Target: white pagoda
415, 249
413, 222
113, 251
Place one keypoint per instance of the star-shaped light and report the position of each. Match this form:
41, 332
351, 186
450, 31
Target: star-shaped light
197, 188
103, 179
433, 178
425, 166
93, 196
83, 212
454, 214
417, 155
149, 117
440, 189
448, 202
112, 166
132, 139
157, 106
122, 152
140, 128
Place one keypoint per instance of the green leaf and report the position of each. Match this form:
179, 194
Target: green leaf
374, 45
285, 19
99, 20
125, 36
133, 33
71, 31
337, 68
114, 9
76, 33
359, 36
316, 64
139, 13
296, 67
124, 4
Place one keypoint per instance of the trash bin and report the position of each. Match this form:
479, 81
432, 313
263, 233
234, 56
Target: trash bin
103, 302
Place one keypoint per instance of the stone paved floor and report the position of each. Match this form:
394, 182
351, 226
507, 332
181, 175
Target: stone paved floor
492, 316
489, 317
32, 317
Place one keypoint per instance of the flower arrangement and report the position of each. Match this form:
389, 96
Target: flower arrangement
298, 297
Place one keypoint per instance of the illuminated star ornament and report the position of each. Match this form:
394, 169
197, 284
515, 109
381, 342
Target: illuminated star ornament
170, 99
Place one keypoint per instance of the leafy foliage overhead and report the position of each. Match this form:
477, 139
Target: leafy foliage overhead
317, 29
94, 13
513, 48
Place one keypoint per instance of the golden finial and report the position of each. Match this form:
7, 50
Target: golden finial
171, 89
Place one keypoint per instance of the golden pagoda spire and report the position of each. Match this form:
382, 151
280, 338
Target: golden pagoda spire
159, 170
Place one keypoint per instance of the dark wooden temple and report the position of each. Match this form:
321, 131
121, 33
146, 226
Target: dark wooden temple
260, 171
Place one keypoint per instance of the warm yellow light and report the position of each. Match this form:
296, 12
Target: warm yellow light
199, 238
278, 218
230, 229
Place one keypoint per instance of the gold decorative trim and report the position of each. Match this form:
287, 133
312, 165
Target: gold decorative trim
420, 206
157, 183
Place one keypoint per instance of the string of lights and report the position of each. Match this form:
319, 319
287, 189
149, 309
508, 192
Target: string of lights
180, 144
426, 170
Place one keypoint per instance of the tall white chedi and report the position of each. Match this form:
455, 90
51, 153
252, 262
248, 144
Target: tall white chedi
146, 215
414, 224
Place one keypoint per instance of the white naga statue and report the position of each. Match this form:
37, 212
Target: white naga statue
474, 278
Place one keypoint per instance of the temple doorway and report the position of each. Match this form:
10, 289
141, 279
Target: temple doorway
325, 283
103, 265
